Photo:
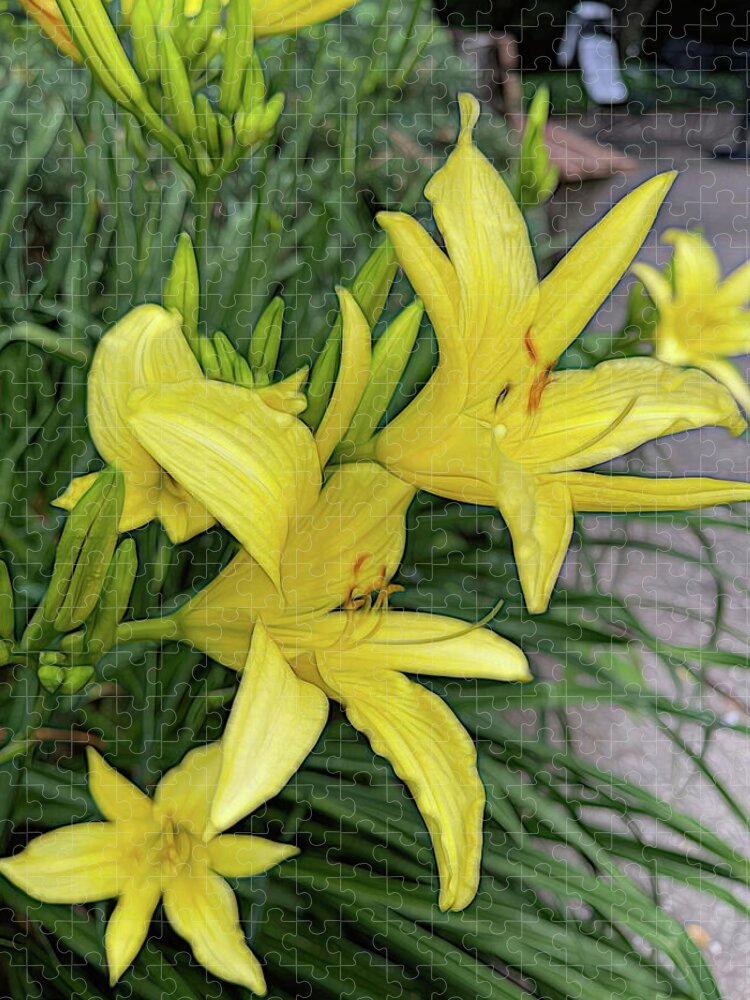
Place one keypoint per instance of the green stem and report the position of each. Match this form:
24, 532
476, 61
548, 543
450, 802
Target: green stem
26, 742
148, 630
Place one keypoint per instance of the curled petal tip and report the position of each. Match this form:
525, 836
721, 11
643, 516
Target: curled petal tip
469, 112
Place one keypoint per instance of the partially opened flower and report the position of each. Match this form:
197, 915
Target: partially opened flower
496, 424
193, 450
148, 850
333, 632
702, 319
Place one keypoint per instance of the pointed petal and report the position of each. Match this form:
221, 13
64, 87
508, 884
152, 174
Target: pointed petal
235, 855
128, 925
729, 338
419, 643
201, 907
634, 494
583, 279
75, 864
252, 466
351, 542
149, 496
735, 289
657, 286
434, 280
730, 377
588, 417
432, 753
186, 791
352, 378
273, 18
219, 619
145, 348
116, 798
275, 722
539, 516
75, 490
696, 266
489, 247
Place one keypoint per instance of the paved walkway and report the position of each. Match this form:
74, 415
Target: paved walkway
713, 194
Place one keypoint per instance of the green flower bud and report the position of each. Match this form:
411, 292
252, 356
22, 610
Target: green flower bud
181, 291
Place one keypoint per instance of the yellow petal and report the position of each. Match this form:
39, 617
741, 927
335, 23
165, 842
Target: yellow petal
235, 855
146, 348
434, 280
275, 722
588, 417
283, 17
583, 279
735, 289
696, 266
252, 466
539, 516
148, 496
128, 925
287, 395
418, 643
186, 791
352, 378
116, 798
201, 907
352, 541
635, 494
432, 753
219, 619
657, 286
452, 460
77, 488
728, 339
75, 864
488, 245
730, 377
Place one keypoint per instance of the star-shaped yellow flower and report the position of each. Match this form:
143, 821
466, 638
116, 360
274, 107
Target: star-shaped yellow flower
333, 637
702, 319
147, 850
497, 424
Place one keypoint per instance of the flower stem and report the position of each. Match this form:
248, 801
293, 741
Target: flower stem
204, 195
147, 630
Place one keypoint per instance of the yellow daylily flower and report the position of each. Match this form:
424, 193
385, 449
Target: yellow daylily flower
193, 450
152, 849
496, 425
702, 319
333, 632
49, 17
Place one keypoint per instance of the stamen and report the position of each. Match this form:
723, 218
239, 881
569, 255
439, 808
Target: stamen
538, 386
444, 638
528, 343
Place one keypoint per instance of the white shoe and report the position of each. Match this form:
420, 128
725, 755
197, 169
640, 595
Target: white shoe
588, 39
